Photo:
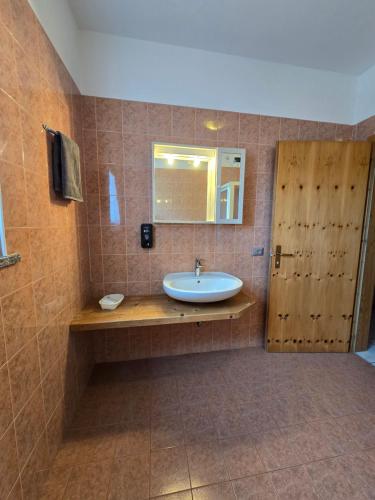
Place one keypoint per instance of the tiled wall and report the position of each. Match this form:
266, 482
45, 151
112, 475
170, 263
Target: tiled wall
42, 370
117, 145
181, 194
365, 129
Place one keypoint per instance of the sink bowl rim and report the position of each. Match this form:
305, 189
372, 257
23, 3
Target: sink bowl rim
236, 285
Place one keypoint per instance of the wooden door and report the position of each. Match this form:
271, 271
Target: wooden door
366, 270
319, 200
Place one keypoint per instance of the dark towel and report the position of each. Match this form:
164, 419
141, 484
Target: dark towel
66, 168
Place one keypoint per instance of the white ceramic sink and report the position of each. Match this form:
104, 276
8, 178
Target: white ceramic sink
208, 287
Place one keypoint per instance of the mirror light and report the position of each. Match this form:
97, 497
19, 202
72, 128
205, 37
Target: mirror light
170, 159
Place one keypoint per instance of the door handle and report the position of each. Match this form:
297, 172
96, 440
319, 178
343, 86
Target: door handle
278, 254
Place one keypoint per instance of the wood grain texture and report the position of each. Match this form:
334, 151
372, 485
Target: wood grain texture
319, 201
158, 310
366, 280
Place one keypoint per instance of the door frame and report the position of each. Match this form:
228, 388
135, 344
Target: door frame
366, 272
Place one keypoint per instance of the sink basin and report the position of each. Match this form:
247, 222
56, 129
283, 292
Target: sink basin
208, 287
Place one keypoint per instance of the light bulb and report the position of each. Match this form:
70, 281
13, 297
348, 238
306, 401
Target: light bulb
196, 162
170, 160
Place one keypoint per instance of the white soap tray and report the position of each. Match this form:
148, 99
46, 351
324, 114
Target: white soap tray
110, 302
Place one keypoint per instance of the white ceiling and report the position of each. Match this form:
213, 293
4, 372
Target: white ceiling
337, 35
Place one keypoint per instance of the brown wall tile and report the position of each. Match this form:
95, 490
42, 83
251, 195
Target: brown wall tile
8, 462
29, 425
37, 295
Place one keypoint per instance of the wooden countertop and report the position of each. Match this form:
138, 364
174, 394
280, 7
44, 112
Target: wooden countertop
158, 310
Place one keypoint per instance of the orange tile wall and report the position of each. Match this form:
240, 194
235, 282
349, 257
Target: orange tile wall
117, 144
42, 370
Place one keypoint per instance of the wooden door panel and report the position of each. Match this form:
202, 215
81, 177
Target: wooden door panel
319, 200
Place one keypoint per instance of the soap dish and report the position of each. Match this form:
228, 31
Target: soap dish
110, 302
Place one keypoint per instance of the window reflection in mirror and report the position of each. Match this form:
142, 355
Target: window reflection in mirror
230, 180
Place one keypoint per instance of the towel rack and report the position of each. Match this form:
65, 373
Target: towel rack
48, 129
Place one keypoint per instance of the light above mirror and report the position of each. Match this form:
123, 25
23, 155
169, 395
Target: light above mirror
196, 184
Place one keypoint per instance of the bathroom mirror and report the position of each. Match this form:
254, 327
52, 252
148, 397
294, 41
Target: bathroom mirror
196, 184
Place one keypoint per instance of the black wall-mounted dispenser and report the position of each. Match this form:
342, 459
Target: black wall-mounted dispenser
146, 235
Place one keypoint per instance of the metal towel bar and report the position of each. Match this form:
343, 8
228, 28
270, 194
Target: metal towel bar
48, 129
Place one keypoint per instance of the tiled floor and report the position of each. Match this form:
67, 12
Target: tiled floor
216, 426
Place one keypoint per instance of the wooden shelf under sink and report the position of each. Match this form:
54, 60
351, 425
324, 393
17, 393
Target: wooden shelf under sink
158, 310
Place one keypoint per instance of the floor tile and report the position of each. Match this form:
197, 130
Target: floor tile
132, 438
130, 479
55, 483
276, 451
167, 431
86, 445
169, 471
206, 464
359, 468
198, 425
308, 442
221, 491
181, 495
294, 484
241, 457
207, 425
335, 436
228, 423
255, 488
89, 482
164, 395
361, 428
331, 482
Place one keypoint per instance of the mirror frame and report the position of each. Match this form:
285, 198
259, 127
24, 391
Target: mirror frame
219, 152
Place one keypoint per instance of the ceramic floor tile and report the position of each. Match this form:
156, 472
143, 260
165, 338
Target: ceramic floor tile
309, 442
169, 471
89, 482
221, 491
276, 451
335, 436
130, 479
198, 426
241, 457
206, 464
255, 488
359, 468
214, 425
132, 438
167, 431
181, 495
54, 484
86, 445
294, 484
361, 428
331, 481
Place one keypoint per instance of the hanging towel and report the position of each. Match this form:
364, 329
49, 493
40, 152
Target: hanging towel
66, 168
